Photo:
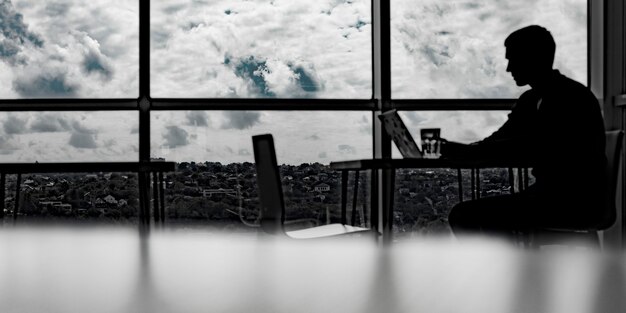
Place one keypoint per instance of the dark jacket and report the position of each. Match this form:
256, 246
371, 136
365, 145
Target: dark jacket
563, 139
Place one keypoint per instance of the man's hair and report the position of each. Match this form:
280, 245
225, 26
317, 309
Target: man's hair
533, 41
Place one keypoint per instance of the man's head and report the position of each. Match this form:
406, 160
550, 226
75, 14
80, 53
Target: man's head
530, 51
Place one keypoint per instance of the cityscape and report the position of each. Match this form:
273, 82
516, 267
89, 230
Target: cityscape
224, 196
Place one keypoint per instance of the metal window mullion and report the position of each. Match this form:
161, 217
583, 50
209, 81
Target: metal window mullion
265, 104
382, 92
613, 13
620, 206
144, 110
144, 80
14, 105
453, 104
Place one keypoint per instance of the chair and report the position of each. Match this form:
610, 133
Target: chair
271, 197
549, 236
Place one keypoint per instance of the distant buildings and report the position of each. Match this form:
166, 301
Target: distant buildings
208, 193
322, 187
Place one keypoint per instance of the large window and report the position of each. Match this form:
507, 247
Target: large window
192, 81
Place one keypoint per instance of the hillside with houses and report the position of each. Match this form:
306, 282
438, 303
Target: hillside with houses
226, 194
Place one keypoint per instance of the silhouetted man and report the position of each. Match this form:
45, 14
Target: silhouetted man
557, 126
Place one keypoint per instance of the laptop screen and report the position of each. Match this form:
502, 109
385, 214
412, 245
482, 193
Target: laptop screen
395, 128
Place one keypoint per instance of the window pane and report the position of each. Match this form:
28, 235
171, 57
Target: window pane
226, 136
268, 49
460, 126
216, 179
69, 49
68, 136
455, 48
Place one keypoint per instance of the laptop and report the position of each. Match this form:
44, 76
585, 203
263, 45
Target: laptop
396, 129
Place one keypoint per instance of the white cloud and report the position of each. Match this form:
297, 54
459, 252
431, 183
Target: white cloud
197, 118
88, 49
197, 48
175, 137
49, 122
14, 125
68, 136
8, 145
346, 149
82, 140
240, 119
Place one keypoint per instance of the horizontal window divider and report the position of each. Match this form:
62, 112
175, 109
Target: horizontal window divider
68, 105
263, 104
86, 167
453, 104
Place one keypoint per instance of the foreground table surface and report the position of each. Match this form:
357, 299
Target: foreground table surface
117, 270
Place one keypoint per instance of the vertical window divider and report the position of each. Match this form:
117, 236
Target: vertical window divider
381, 16
144, 112
144, 102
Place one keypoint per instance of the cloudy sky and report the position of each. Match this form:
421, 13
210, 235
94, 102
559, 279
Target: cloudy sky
245, 48
225, 136
280, 48
454, 49
69, 49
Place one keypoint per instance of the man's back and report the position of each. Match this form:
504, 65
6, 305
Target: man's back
569, 131
561, 131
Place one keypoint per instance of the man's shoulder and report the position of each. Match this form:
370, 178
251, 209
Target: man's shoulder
565, 84
527, 97
575, 94
529, 94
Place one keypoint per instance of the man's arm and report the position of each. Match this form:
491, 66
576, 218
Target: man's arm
508, 141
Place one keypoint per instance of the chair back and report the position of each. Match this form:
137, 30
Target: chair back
269, 186
613, 150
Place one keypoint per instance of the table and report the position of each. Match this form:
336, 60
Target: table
388, 167
143, 170
118, 270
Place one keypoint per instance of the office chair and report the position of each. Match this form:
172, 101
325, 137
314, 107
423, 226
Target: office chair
271, 197
539, 237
